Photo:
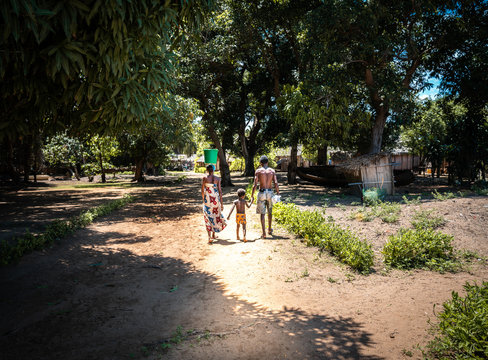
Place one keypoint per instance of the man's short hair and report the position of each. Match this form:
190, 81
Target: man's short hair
263, 159
241, 192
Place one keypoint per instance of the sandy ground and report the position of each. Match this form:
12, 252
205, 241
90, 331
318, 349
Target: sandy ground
145, 275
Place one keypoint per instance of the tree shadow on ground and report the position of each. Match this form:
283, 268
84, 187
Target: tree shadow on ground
86, 300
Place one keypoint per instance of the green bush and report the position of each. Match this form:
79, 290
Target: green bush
238, 164
418, 249
388, 212
427, 219
311, 226
200, 169
462, 332
373, 196
11, 251
443, 196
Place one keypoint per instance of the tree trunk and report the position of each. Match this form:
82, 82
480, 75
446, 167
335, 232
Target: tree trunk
13, 174
248, 145
27, 151
224, 166
138, 176
378, 128
102, 169
322, 155
292, 166
380, 106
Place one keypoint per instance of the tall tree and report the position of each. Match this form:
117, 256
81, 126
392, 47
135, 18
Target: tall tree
378, 46
94, 65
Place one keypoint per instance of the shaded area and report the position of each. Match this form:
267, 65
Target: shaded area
96, 295
105, 304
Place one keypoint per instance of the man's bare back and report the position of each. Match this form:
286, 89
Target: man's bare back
265, 177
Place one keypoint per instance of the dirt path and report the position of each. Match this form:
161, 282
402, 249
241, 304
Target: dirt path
144, 275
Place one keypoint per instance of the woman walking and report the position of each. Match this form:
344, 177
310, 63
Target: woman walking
212, 204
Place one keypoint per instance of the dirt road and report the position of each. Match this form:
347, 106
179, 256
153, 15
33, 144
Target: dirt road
145, 276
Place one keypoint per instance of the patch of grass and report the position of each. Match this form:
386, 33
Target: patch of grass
388, 212
427, 219
411, 200
12, 251
305, 273
423, 248
462, 331
480, 188
339, 242
443, 196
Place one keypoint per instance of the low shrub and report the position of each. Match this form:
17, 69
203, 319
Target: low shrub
11, 251
443, 196
200, 169
311, 226
462, 331
412, 200
427, 219
388, 212
420, 248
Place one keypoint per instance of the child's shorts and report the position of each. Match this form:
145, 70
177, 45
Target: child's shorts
241, 219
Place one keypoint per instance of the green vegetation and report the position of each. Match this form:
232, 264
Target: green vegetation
411, 200
443, 196
388, 212
427, 219
422, 248
311, 226
11, 251
462, 331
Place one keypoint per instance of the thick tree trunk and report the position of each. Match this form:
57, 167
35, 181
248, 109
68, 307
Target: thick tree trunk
224, 166
249, 146
292, 166
27, 152
102, 169
378, 128
322, 155
138, 176
13, 174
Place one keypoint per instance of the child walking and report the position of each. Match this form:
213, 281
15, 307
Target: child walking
240, 205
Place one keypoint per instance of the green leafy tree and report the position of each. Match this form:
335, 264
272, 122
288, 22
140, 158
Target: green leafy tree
102, 149
96, 65
155, 140
375, 49
461, 64
64, 151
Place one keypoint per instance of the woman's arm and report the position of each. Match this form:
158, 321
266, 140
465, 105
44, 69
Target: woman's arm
203, 189
231, 210
220, 195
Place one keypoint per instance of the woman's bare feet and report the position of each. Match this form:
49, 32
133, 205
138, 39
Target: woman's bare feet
263, 236
270, 231
245, 240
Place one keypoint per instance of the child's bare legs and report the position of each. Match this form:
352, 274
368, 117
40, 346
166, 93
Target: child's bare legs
244, 232
237, 231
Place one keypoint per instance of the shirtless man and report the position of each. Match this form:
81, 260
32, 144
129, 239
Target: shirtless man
265, 176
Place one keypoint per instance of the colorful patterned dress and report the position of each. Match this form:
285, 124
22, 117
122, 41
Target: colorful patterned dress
214, 220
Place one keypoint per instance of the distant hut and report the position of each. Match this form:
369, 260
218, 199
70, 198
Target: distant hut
370, 171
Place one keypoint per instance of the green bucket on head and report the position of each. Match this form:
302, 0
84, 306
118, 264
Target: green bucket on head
210, 156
